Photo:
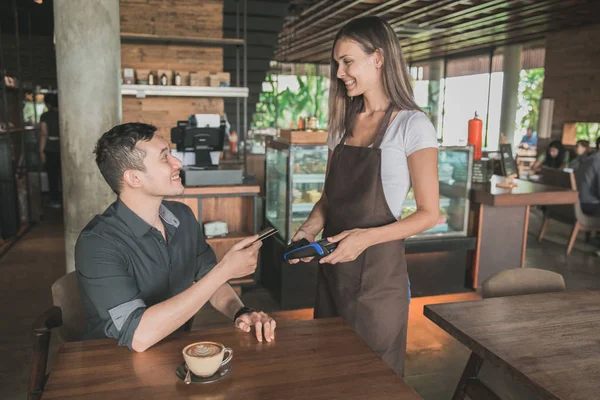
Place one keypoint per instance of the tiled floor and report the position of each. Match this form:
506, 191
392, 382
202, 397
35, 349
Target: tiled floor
434, 359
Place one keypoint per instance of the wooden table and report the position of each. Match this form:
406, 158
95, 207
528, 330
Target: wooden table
501, 218
548, 342
317, 359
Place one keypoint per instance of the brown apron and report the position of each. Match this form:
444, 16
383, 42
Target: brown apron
370, 293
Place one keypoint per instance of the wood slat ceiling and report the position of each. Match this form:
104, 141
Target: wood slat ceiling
430, 29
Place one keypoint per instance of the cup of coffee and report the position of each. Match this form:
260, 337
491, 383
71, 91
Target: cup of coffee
205, 358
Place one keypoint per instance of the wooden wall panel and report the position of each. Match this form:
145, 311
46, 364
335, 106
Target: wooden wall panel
164, 112
173, 17
191, 202
233, 210
171, 57
572, 69
221, 246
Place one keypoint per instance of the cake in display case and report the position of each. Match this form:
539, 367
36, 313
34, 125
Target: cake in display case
295, 175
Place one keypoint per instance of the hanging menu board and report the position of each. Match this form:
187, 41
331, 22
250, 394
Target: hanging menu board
509, 166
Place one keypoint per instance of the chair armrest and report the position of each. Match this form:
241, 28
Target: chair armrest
50, 319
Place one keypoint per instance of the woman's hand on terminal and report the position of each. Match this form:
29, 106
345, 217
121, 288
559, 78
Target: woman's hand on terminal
302, 234
350, 245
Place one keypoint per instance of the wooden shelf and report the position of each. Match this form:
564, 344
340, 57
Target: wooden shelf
142, 91
221, 190
231, 237
185, 40
303, 137
11, 130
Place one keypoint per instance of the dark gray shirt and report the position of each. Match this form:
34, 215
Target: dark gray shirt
124, 266
587, 177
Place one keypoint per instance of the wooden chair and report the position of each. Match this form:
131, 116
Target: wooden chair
521, 281
571, 214
484, 381
68, 318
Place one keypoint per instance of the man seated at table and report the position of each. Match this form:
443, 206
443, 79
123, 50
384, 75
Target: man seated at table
144, 267
587, 177
529, 139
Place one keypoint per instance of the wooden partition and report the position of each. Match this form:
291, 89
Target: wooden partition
235, 205
163, 18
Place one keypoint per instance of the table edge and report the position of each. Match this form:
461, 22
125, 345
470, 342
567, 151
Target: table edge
486, 354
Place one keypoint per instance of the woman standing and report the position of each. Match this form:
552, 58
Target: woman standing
380, 144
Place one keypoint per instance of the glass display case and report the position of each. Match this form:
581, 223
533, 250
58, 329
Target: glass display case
295, 175
455, 166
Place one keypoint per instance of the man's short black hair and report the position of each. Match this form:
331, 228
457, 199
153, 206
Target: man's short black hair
116, 152
51, 100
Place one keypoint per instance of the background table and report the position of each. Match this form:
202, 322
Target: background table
548, 342
318, 359
501, 218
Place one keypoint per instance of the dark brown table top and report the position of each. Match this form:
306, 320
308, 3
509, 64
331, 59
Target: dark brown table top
526, 193
548, 342
317, 359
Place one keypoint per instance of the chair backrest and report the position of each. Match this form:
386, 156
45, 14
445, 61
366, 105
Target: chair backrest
66, 295
556, 177
520, 281
584, 219
559, 178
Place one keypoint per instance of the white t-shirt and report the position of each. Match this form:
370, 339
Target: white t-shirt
408, 132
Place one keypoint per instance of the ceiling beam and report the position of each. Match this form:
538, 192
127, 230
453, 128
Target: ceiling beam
329, 33
536, 26
472, 24
306, 12
326, 47
423, 12
307, 25
558, 22
468, 12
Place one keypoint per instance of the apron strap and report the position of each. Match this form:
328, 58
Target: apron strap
381, 130
383, 127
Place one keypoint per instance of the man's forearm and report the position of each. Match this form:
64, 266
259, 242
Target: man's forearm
226, 301
43, 139
164, 318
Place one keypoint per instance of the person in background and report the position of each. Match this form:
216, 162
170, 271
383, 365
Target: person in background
50, 148
587, 177
556, 156
529, 139
582, 148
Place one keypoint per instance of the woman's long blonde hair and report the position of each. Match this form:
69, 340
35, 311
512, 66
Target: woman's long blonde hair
371, 33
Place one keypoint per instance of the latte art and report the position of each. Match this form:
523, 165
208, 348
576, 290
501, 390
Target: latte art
203, 350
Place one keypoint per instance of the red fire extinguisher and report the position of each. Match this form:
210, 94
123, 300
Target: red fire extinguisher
233, 142
475, 133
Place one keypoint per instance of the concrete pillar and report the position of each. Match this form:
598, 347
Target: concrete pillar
510, 91
88, 62
436, 74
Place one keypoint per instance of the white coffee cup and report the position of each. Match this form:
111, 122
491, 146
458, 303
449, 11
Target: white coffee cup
205, 358
215, 156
